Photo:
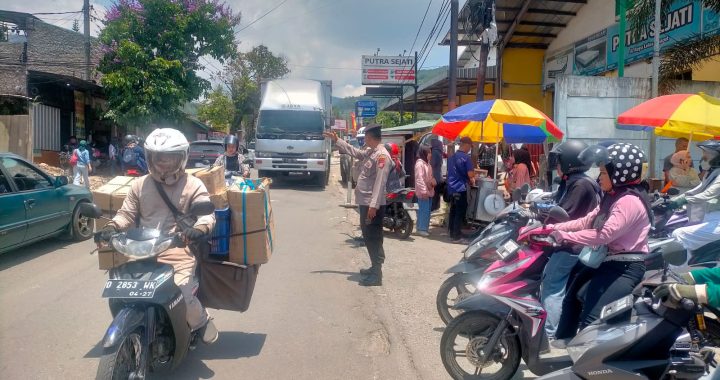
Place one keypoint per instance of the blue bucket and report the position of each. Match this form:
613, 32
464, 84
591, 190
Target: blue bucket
220, 241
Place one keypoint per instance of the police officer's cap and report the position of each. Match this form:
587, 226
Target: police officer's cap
374, 130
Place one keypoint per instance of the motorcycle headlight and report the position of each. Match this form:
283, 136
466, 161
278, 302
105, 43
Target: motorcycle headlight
488, 277
263, 155
162, 246
134, 248
491, 238
315, 155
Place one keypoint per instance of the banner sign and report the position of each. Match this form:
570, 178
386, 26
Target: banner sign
391, 70
366, 108
340, 125
598, 53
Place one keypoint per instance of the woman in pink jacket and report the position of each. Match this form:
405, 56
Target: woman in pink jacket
424, 189
621, 222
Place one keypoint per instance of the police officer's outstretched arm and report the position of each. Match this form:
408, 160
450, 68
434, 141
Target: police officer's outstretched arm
346, 148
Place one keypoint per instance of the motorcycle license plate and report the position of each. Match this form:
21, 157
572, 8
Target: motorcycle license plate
129, 289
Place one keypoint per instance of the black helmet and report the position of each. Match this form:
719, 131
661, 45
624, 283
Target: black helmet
230, 140
712, 146
129, 139
566, 154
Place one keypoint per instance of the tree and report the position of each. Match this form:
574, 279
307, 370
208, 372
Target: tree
217, 110
243, 78
683, 56
392, 119
151, 53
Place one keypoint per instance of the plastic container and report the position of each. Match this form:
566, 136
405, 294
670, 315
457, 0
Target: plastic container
220, 240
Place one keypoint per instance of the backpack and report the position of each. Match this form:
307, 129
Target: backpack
73, 158
129, 157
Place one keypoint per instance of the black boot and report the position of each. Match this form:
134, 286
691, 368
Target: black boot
366, 271
374, 278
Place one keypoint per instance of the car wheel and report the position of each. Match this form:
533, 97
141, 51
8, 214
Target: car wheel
81, 227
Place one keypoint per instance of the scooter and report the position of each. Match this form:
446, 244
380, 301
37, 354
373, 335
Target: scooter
504, 320
666, 219
397, 218
480, 253
149, 327
658, 342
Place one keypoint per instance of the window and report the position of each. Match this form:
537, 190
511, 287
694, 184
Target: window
4, 185
26, 177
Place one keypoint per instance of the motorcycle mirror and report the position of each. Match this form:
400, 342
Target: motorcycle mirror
516, 195
673, 191
524, 190
558, 214
202, 208
91, 210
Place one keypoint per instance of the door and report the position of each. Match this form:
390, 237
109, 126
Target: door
12, 215
46, 206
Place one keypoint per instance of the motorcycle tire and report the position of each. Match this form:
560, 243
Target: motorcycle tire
120, 361
441, 300
478, 325
406, 228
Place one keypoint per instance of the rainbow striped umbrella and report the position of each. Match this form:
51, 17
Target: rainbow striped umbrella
694, 116
491, 121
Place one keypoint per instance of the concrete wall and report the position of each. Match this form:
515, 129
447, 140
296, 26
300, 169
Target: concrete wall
594, 16
587, 108
15, 135
522, 77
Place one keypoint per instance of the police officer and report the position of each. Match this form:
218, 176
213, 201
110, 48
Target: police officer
370, 196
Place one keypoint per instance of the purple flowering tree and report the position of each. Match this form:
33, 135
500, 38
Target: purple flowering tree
151, 55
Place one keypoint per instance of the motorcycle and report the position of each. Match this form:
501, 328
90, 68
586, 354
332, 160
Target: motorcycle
480, 253
666, 219
149, 327
657, 342
397, 218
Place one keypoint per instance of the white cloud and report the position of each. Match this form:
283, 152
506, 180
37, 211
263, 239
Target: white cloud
350, 90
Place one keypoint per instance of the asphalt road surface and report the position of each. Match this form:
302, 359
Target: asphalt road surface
308, 318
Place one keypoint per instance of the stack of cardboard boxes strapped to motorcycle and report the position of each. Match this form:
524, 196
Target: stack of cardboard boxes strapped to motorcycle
252, 227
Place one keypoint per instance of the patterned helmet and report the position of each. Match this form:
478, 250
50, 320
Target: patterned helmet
625, 163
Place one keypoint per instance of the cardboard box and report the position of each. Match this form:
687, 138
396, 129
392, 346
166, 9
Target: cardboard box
108, 258
220, 200
253, 229
111, 196
214, 179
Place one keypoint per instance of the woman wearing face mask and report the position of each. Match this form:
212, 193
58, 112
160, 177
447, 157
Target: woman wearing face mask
621, 223
682, 175
703, 203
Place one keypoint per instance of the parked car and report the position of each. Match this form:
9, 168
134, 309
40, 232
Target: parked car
35, 205
203, 153
346, 167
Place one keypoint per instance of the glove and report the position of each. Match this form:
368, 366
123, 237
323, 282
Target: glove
107, 232
676, 292
689, 280
193, 233
677, 202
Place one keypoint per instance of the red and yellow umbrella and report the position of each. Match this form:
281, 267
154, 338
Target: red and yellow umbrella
694, 116
491, 121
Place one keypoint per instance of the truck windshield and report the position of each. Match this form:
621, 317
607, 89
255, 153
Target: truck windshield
290, 122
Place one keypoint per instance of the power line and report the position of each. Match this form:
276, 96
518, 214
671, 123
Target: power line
444, 8
263, 16
447, 15
420, 27
55, 13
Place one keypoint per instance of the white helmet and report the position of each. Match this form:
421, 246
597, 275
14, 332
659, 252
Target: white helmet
167, 153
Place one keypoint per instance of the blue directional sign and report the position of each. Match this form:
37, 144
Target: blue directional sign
366, 108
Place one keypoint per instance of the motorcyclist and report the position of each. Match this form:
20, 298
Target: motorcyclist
397, 173
621, 223
578, 194
133, 155
167, 153
703, 203
232, 160
703, 287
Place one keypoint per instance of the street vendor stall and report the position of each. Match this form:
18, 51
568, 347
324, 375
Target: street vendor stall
493, 121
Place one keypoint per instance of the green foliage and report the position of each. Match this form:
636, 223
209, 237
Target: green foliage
243, 77
217, 110
392, 119
151, 55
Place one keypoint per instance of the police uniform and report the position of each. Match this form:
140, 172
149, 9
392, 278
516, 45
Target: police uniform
375, 166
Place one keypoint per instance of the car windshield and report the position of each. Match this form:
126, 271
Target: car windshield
206, 148
272, 121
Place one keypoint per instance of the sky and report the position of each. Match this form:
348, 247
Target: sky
322, 39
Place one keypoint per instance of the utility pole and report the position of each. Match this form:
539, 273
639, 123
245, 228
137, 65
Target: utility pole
481, 71
415, 88
452, 75
655, 74
86, 16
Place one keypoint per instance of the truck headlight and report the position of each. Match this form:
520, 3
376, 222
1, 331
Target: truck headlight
315, 155
263, 155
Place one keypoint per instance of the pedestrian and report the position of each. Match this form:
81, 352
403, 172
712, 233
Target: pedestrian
396, 177
680, 145
112, 156
83, 166
461, 176
487, 159
520, 170
424, 189
370, 196
436, 148
682, 176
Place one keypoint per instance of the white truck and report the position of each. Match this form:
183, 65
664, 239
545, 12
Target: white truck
288, 136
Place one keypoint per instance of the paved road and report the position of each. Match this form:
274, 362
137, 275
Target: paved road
308, 319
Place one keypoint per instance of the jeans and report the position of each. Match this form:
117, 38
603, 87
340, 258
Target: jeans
609, 282
554, 282
423, 214
458, 209
79, 171
373, 234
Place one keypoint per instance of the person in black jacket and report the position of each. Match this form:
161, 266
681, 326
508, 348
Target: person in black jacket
578, 194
